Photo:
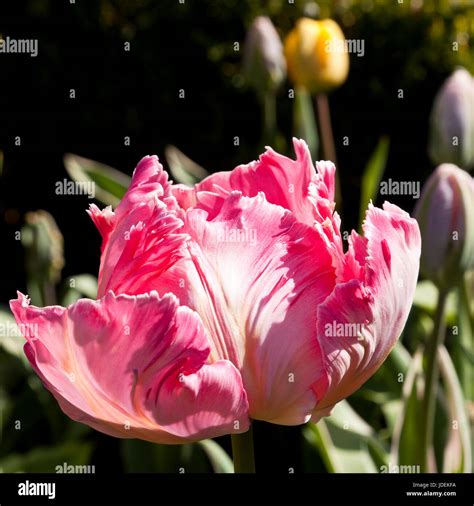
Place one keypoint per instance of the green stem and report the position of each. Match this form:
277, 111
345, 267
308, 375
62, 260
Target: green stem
466, 297
431, 378
269, 118
463, 343
242, 452
327, 139
304, 120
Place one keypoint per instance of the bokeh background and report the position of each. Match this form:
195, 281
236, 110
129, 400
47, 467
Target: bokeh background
190, 46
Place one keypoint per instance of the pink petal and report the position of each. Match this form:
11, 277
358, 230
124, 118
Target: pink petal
140, 240
134, 366
258, 278
360, 322
292, 184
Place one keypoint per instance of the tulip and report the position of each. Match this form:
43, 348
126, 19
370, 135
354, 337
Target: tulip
445, 213
316, 56
265, 68
264, 63
227, 301
452, 121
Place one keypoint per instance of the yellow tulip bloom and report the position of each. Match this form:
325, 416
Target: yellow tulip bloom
316, 55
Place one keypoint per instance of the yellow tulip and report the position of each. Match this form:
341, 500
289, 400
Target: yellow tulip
316, 55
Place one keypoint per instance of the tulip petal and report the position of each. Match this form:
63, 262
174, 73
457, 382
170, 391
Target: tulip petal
140, 240
292, 184
134, 366
360, 322
260, 276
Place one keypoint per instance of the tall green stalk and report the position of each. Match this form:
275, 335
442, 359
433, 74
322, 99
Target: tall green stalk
304, 120
269, 118
463, 344
431, 379
242, 452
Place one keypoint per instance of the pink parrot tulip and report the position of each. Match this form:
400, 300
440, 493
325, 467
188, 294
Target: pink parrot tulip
229, 301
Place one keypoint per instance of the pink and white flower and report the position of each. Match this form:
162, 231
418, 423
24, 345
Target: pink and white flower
215, 302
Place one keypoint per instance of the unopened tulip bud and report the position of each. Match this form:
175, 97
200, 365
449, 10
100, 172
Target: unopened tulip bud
316, 55
264, 63
445, 214
44, 247
452, 121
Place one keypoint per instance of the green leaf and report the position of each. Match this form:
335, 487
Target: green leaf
220, 461
304, 121
457, 453
406, 434
110, 184
426, 298
344, 417
318, 436
45, 460
462, 349
11, 339
372, 175
392, 411
348, 454
396, 364
182, 168
77, 287
346, 443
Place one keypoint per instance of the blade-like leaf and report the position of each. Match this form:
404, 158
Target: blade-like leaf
372, 175
393, 369
317, 435
457, 453
406, 434
220, 461
343, 441
392, 411
110, 184
182, 168
462, 347
341, 451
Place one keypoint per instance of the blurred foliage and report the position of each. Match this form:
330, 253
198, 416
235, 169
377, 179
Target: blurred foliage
182, 168
372, 176
110, 184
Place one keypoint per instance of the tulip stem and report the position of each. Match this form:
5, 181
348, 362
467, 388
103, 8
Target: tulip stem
242, 452
269, 118
464, 341
304, 120
328, 151
431, 378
